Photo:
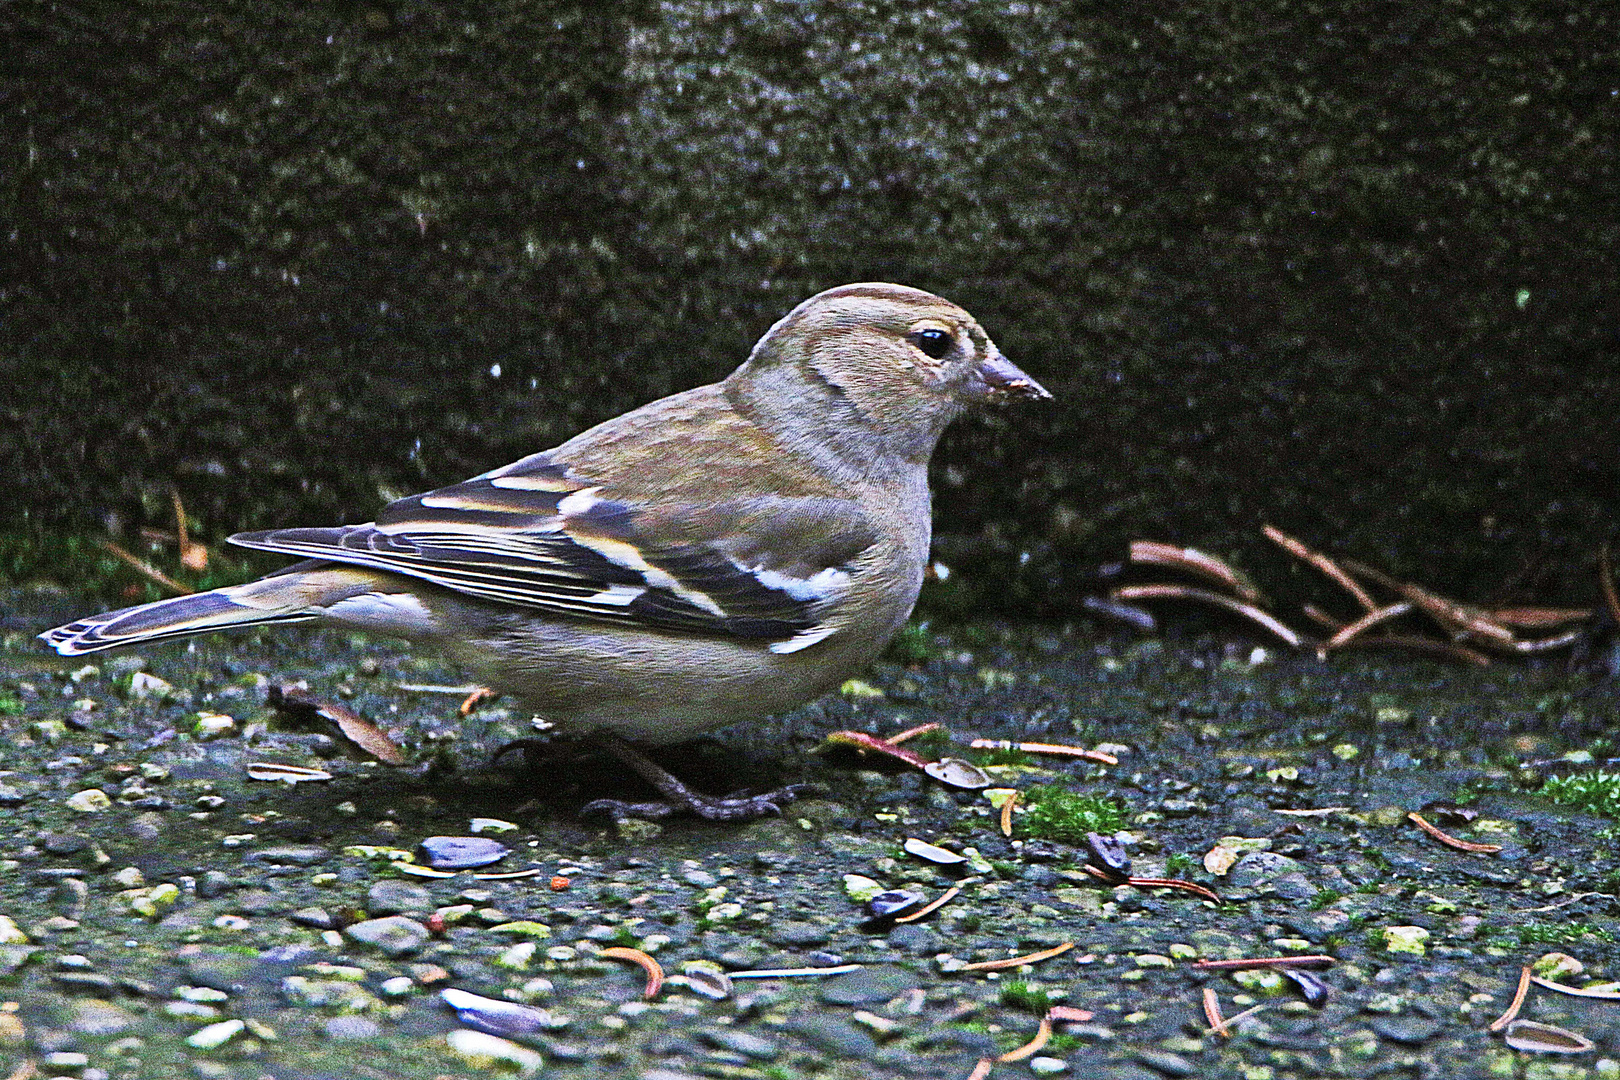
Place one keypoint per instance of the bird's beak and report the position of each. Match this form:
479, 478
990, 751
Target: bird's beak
999, 379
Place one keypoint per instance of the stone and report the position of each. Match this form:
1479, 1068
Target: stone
868, 986
394, 935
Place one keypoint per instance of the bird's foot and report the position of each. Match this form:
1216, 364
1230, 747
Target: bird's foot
680, 798
736, 807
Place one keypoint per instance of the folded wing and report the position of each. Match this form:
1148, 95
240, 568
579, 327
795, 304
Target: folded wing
533, 536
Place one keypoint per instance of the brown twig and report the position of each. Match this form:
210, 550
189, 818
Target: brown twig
1451, 841
1068, 1014
929, 908
911, 733
863, 742
146, 569
1153, 883
655, 974
1576, 991
475, 699
1321, 618
1052, 749
1548, 644
1212, 1013
1198, 563
1018, 961
982, 1069
1204, 596
1236, 1018
1354, 630
1322, 563
1539, 618
1518, 1002
192, 556
1043, 1035
1459, 620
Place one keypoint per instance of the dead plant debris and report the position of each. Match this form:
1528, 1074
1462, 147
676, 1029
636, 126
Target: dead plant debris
1466, 633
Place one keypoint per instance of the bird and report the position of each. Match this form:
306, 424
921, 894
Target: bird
728, 552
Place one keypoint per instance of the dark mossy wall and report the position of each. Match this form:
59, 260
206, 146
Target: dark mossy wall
1346, 267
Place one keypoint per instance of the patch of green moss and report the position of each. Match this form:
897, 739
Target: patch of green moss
914, 644
1180, 865
1026, 998
1537, 933
1061, 1045
1006, 756
1056, 813
1594, 792
1007, 869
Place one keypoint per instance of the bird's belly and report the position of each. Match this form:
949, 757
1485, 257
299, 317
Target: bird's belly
657, 688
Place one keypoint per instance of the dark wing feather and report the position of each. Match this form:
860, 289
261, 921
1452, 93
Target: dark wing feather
531, 536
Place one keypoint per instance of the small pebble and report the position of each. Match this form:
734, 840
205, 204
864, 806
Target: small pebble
395, 935
922, 849
495, 1016
462, 852
484, 1051
892, 902
215, 1035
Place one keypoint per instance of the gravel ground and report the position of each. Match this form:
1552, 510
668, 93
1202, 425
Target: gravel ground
166, 916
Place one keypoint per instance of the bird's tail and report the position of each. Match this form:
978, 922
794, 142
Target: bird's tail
295, 596
180, 616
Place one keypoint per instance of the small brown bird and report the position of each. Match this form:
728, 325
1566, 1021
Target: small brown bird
723, 553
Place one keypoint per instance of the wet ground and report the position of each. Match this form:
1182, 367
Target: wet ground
155, 894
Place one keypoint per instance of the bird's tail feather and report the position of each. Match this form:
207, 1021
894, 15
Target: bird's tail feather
180, 616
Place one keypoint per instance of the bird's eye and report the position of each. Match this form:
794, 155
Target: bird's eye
933, 341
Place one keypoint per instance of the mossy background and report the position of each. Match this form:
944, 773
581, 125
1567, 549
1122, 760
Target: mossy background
1349, 268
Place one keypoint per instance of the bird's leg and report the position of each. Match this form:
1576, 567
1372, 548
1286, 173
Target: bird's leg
678, 796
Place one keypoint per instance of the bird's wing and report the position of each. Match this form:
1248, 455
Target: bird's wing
534, 536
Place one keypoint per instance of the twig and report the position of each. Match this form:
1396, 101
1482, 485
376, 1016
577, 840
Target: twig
1043, 1035
479, 695
1152, 883
910, 733
1053, 749
1192, 561
1518, 1002
1212, 1013
794, 973
1451, 841
655, 974
1457, 619
192, 556
1321, 618
1361, 625
1006, 814
1322, 563
1187, 592
146, 569
1245, 1014
1018, 961
1576, 991
930, 908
